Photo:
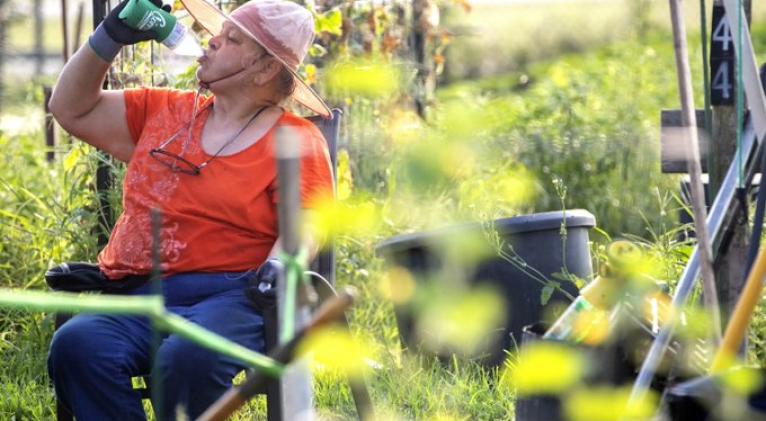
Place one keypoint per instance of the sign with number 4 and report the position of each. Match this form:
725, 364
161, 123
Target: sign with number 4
722, 56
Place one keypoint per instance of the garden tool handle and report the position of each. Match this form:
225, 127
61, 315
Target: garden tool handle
740, 318
235, 397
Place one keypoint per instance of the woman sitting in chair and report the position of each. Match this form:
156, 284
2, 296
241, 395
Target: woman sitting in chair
207, 163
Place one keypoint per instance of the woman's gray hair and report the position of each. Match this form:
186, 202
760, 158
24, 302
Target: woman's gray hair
285, 84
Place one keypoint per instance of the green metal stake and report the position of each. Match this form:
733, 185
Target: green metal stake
79, 303
150, 306
173, 323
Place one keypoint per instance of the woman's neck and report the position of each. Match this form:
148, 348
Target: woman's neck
237, 107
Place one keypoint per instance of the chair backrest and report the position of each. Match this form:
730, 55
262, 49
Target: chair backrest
324, 264
330, 128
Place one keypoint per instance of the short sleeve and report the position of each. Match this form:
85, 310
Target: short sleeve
136, 105
141, 104
316, 171
316, 174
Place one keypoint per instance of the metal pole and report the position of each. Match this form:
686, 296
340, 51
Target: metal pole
99, 12
689, 121
78, 25
288, 170
64, 31
50, 135
295, 385
39, 35
104, 176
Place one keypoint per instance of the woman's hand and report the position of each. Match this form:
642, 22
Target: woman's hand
120, 32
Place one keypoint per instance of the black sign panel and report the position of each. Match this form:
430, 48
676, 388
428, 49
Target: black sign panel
722, 56
721, 38
722, 81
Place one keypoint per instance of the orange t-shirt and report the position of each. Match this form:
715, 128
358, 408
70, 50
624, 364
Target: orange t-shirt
222, 220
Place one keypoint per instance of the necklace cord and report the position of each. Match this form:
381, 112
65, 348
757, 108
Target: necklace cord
230, 141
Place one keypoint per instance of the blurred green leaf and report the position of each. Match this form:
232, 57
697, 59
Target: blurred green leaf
330, 22
546, 293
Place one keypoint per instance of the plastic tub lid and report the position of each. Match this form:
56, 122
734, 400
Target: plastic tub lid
544, 221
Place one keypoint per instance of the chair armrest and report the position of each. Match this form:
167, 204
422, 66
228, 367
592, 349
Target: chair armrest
322, 286
82, 277
75, 277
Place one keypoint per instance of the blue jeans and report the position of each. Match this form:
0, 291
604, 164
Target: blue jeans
93, 357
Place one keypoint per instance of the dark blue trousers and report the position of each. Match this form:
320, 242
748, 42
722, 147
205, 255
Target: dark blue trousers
93, 357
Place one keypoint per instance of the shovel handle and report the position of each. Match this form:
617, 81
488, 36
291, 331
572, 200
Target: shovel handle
740, 318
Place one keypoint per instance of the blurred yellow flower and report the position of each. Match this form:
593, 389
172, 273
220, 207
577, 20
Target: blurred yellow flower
695, 323
460, 322
334, 349
397, 285
559, 75
504, 191
404, 127
608, 404
431, 162
363, 78
345, 181
742, 381
463, 124
463, 249
592, 327
354, 217
545, 368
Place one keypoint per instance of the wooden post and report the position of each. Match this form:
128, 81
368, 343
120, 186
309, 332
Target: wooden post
78, 25
730, 263
689, 121
39, 35
419, 48
50, 134
104, 176
64, 31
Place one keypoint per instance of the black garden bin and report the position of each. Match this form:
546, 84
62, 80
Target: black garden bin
612, 363
536, 239
702, 399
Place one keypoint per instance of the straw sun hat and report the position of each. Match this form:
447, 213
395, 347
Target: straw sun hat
283, 28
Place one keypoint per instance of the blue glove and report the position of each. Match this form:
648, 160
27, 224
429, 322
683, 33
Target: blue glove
120, 32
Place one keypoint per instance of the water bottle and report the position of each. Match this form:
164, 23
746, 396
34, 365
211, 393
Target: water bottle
598, 297
594, 299
143, 15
